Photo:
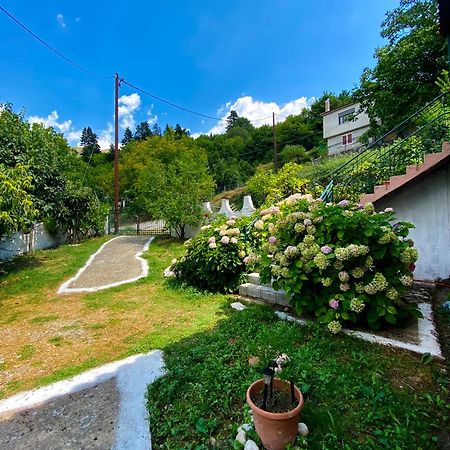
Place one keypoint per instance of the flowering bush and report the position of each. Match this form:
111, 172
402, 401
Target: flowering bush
343, 262
214, 259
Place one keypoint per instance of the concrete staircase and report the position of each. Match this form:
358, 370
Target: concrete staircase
431, 162
255, 289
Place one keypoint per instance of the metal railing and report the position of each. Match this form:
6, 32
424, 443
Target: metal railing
421, 133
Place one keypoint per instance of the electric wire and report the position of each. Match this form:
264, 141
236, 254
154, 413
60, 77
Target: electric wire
182, 108
78, 66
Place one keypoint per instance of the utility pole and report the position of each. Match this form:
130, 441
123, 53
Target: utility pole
275, 158
116, 153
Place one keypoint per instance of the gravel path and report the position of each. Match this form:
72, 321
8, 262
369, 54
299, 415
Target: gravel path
116, 262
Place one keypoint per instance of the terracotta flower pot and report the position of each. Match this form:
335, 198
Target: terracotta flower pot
275, 429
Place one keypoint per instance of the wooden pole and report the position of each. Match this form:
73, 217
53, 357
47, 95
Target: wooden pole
116, 154
275, 156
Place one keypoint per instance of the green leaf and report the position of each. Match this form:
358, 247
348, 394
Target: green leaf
200, 426
391, 310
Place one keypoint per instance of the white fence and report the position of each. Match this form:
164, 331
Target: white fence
19, 243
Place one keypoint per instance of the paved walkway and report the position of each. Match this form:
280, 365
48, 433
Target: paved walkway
103, 408
116, 262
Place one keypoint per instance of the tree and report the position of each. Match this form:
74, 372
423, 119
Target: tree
407, 68
127, 136
169, 179
231, 119
143, 131
180, 132
54, 167
156, 130
17, 210
294, 153
89, 142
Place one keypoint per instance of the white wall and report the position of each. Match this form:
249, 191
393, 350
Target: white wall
426, 204
335, 143
331, 126
20, 243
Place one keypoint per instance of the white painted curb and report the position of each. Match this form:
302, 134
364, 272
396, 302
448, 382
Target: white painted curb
428, 342
133, 375
65, 289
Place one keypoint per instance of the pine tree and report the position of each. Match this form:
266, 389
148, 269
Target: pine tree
231, 119
156, 130
89, 142
143, 131
127, 136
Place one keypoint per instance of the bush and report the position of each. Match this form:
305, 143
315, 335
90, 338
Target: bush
214, 260
265, 186
342, 262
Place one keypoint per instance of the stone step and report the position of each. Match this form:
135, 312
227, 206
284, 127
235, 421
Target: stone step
253, 278
265, 293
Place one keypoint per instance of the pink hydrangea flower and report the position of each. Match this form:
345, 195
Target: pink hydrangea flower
343, 203
334, 304
326, 249
272, 240
389, 210
307, 222
225, 240
211, 240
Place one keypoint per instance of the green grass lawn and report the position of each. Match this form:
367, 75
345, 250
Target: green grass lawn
47, 337
357, 395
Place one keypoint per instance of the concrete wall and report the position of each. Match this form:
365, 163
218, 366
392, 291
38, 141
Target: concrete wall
426, 204
39, 238
333, 130
331, 126
335, 143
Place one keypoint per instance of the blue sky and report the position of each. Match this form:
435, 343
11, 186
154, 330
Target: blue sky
210, 56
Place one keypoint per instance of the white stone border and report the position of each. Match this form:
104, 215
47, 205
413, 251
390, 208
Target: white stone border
133, 375
65, 289
428, 342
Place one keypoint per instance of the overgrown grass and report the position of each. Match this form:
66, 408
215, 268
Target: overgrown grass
357, 395
47, 337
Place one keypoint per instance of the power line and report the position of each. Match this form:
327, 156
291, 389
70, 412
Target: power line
50, 47
182, 108
167, 102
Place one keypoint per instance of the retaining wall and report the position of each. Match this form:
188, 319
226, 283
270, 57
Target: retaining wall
19, 243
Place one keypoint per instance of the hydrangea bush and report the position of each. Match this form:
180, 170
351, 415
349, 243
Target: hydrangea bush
342, 262
214, 259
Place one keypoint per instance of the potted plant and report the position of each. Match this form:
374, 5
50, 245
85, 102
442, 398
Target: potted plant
276, 405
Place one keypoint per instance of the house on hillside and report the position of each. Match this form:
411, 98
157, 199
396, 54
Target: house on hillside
342, 127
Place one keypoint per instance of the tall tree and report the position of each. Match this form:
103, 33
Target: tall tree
127, 136
89, 142
143, 131
156, 130
231, 119
168, 178
404, 77
180, 132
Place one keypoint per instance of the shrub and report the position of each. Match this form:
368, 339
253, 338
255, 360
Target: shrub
342, 262
214, 259
265, 186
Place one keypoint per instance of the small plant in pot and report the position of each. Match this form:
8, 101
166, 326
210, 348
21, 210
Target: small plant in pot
276, 405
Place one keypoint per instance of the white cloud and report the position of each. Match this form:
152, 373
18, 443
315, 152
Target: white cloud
77, 19
252, 109
152, 118
106, 137
70, 133
60, 20
128, 105
52, 121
